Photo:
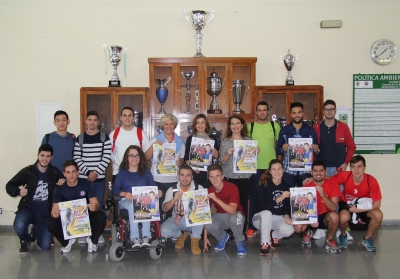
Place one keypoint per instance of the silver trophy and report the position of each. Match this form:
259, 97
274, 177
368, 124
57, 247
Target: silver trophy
188, 76
239, 90
198, 19
214, 88
288, 60
114, 53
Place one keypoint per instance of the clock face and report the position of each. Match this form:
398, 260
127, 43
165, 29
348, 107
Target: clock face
383, 52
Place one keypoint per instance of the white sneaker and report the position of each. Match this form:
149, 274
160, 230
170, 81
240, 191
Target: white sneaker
101, 240
91, 247
146, 241
319, 233
82, 240
136, 243
67, 248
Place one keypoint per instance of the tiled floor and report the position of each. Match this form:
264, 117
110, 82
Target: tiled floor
290, 261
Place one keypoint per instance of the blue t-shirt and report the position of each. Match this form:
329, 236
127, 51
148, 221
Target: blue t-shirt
63, 148
66, 193
125, 180
40, 200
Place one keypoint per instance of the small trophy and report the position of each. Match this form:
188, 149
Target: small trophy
114, 53
162, 92
198, 19
188, 76
240, 90
214, 88
288, 60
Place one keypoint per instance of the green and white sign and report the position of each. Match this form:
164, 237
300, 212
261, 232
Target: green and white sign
376, 117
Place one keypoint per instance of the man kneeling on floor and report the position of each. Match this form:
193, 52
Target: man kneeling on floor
224, 196
357, 184
72, 190
173, 226
328, 193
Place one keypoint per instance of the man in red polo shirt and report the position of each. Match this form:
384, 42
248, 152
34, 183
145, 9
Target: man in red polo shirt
224, 197
328, 193
357, 184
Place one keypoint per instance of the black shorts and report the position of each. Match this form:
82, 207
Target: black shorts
363, 215
321, 218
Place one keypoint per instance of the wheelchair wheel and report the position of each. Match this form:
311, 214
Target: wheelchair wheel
117, 252
155, 253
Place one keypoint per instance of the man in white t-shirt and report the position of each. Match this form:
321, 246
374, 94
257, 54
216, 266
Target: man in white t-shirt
124, 136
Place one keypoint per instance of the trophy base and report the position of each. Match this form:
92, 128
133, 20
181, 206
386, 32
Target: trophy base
214, 111
238, 112
114, 83
290, 82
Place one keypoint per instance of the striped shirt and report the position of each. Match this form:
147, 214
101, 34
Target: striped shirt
94, 155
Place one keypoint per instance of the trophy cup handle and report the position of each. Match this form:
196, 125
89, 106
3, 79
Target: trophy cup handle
193, 72
105, 57
185, 14
168, 80
223, 82
212, 14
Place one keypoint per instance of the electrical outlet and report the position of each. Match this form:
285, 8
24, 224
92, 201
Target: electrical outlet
331, 24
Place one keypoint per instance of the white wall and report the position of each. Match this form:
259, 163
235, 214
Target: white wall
49, 49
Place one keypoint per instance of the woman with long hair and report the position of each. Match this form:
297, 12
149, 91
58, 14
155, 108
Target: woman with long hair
236, 130
273, 207
168, 122
201, 129
133, 172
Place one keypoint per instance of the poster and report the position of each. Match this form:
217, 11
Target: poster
164, 159
196, 207
146, 205
303, 205
300, 153
245, 156
75, 219
200, 156
376, 123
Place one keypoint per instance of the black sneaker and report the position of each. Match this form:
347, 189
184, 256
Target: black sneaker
265, 249
24, 247
274, 242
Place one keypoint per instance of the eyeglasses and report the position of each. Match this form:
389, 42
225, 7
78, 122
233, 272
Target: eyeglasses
137, 156
331, 109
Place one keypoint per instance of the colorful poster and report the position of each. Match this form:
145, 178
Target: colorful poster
303, 204
245, 156
200, 156
164, 158
75, 219
300, 153
196, 207
146, 205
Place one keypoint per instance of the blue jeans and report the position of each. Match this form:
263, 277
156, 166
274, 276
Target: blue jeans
331, 171
98, 187
27, 216
128, 205
295, 180
170, 229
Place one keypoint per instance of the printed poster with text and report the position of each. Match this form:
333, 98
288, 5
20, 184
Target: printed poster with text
164, 159
245, 156
196, 207
200, 156
75, 219
300, 153
303, 204
146, 205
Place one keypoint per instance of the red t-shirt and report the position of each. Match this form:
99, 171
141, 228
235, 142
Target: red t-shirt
229, 194
368, 188
331, 189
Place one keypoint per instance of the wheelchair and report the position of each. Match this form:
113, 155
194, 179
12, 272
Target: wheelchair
120, 234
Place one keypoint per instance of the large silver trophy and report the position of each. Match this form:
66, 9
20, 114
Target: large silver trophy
288, 60
214, 88
239, 90
198, 19
114, 53
188, 76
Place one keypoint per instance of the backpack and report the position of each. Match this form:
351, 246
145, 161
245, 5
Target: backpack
252, 126
48, 137
102, 139
116, 132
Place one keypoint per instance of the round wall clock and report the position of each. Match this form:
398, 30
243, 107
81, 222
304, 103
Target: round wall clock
383, 52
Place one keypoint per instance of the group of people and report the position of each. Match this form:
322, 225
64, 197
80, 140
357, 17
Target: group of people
242, 203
